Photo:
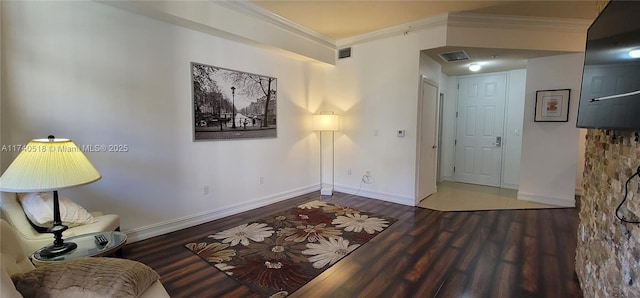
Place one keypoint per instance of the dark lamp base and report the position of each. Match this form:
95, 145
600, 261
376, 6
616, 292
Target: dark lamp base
57, 250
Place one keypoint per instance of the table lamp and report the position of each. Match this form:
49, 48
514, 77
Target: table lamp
327, 122
49, 165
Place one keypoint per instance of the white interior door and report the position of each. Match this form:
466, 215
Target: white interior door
428, 140
481, 101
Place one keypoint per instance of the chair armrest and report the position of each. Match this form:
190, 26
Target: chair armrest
104, 223
156, 290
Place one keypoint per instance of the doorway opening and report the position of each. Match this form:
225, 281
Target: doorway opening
451, 128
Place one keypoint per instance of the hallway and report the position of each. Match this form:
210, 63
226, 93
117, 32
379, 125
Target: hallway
453, 196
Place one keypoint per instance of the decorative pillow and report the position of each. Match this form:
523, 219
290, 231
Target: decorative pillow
87, 277
38, 206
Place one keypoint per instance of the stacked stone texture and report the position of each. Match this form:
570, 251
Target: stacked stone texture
608, 252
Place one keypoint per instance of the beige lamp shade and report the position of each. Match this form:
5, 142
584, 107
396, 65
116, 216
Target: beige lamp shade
326, 122
47, 165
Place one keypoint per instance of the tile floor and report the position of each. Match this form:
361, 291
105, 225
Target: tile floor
453, 196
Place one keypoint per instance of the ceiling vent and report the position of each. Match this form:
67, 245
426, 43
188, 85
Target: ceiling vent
454, 56
344, 53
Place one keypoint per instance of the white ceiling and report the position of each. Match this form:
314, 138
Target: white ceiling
344, 19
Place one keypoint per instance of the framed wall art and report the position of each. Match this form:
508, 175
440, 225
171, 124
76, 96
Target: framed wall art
230, 104
552, 105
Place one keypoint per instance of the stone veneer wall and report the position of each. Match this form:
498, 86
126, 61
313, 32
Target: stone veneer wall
608, 252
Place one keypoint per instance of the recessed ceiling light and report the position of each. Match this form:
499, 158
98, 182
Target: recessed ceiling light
474, 67
634, 53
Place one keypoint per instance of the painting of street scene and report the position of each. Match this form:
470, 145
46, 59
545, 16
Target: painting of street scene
230, 104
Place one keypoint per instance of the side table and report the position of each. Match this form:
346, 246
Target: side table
87, 247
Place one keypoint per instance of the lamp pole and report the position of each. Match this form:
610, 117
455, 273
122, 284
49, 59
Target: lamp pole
220, 114
233, 108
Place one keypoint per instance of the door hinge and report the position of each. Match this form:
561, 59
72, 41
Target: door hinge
456, 114
454, 169
455, 142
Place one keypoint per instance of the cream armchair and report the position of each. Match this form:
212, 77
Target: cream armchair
14, 261
33, 240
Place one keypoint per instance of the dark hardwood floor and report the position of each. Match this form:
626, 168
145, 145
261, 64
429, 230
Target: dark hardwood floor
426, 253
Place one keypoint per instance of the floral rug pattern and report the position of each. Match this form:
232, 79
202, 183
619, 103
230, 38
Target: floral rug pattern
278, 254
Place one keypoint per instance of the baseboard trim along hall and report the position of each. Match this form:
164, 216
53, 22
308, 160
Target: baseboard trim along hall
173, 225
377, 195
547, 200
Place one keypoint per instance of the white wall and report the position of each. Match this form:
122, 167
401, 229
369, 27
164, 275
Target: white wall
512, 141
377, 93
550, 149
101, 75
447, 147
430, 69
444, 90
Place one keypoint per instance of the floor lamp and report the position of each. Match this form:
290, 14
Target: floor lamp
327, 122
49, 165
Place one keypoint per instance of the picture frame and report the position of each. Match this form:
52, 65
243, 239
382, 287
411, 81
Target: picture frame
552, 105
229, 104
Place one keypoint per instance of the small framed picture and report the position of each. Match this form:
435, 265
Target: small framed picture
552, 105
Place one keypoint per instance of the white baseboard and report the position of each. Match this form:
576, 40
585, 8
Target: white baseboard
446, 178
562, 202
173, 225
377, 195
510, 186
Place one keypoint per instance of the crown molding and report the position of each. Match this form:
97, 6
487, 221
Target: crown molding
255, 11
245, 7
402, 29
466, 19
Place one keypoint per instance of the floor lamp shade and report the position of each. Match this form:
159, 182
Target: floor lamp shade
48, 165
326, 122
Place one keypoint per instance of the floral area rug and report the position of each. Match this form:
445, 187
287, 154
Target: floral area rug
278, 254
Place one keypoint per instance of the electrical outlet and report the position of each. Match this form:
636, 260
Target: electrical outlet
366, 178
349, 172
205, 190
261, 180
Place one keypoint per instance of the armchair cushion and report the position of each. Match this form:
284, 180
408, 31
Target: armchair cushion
87, 277
38, 207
